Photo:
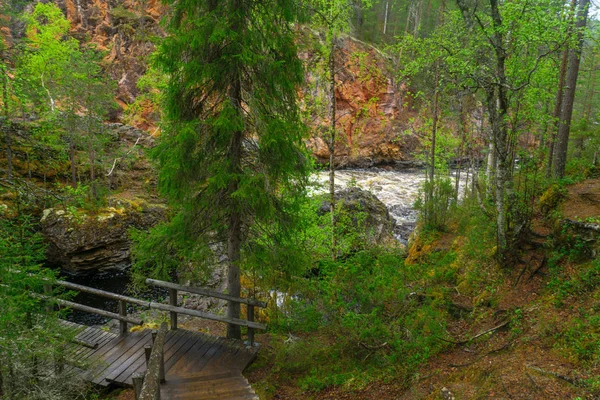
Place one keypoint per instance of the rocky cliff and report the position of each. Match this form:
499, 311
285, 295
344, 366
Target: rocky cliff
372, 111
373, 114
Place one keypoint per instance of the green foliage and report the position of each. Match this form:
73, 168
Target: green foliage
584, 280
232, 142
365, 323
31, 338
435, 203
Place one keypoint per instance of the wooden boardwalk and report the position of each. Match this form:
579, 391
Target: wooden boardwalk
197, 366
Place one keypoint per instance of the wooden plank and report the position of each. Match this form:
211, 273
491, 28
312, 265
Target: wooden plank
102, 293
120, 346
92, 310
103, 339
116, 372
80, 354
205, 292
140, 364
203, 358
127, 358
197, 340
152, 379
205, 315
190, 355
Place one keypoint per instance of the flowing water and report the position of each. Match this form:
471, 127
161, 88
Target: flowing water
398, 190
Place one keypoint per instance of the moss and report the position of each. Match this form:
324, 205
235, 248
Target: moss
551, 199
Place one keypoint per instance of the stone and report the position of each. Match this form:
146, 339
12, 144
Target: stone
588, 233
81, 243
378, 224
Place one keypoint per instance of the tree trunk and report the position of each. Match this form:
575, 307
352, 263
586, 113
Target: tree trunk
234, 229
498, 108
73, 165
558, 102
7, 133
332, 136
490, 172
434, 123
562, 139
385, 19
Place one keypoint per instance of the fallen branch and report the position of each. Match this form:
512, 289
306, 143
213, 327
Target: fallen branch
384, 344
482, 356
476, 336
573, 381
128, 152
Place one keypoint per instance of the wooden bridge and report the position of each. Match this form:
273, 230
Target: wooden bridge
166, 364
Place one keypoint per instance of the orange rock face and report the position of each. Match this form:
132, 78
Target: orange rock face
372, 109
372, 117
123, 30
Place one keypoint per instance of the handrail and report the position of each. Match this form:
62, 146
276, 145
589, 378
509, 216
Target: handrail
172, 307
81, 307
205, 292
250, 304
155, 370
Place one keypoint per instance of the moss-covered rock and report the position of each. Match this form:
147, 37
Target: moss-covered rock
83, 243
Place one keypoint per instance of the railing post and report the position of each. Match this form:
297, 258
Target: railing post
123, 313
138, 383
251, 319
48, 292
59, 360
173, 302
147, 352
161, 373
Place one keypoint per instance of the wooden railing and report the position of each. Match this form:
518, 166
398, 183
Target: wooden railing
147, 385
172, 307
250, 304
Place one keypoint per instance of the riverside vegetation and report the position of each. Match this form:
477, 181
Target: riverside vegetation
496, 294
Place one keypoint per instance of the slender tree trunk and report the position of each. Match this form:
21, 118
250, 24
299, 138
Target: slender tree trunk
498, 108
461, 151
73, 165
234, 231
7, 133
558, 104
562, 139
92, 156
385, 19
332, 136
434, 124
490, 171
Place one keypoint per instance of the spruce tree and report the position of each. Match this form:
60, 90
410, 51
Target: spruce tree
231, 157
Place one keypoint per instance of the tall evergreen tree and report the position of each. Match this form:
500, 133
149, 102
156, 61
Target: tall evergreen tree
231, 156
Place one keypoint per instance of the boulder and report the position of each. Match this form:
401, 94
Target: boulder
81, 243
376, 223
587, 233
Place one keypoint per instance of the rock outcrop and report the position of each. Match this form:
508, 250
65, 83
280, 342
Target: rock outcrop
373, 110
80, 243
365, 213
